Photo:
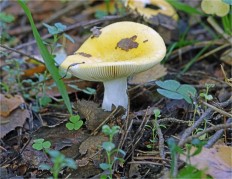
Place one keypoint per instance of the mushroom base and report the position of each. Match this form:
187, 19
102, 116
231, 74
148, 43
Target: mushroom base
115, 93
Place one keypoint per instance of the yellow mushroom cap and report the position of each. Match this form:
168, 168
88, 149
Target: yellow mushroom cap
163, 8
119, 50
217, 7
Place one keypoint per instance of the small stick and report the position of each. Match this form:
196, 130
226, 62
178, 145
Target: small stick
214, 128
217, 109
161, 139
216, 136
21, 53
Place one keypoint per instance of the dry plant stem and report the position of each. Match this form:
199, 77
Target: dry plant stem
147, 162
218, 29
173, 120
123, 139
138, 135
214, 128
213, 51
161, 140
21, 53
163, 120
149, 157
197, 45
77, 25
228, 81
216, 136
217, 109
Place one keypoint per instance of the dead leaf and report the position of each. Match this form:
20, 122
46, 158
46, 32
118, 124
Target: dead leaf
15, 119
128, 43
95, 31
92, 145
30, 72
152, 74
34, 157
93, 114
61, 137
216, 161
134, 170
83, 162
9, 103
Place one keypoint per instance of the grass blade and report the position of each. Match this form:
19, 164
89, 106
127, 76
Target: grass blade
48, 59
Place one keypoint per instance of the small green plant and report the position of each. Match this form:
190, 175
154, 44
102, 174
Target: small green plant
41, 144
110, 150
14, 72
59, 162
153, 129
189, 171
57, 31
87, 90
206, 94
5, 19
174, 90
74, 123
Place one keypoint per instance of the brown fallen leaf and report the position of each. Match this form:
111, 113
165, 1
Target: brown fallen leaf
216, 161
93, 114
30, 72
92, 145
152, 74
9, 103
15, 119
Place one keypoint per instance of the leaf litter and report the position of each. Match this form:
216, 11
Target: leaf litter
17, 152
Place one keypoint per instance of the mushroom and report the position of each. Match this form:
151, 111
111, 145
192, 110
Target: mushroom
217, 7
149, 8
118, 51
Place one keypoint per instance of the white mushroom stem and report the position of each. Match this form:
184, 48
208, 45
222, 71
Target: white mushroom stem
115, 93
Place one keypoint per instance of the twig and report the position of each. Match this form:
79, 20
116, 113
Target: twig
214, 128
138, 135
173, 120
146, 162
105, 121
161, 140
216, 136
204, 116
217, 109
21, 53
